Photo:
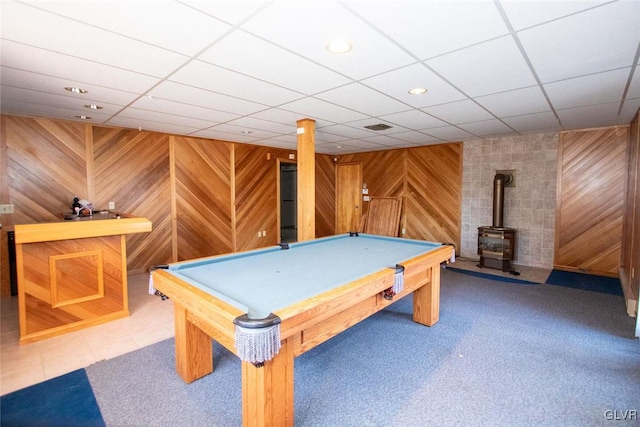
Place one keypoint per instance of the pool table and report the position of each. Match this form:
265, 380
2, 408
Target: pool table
270, 305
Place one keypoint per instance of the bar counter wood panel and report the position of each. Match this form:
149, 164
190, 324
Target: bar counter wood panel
72, 274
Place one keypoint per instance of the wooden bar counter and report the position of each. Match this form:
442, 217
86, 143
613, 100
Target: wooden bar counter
72, 274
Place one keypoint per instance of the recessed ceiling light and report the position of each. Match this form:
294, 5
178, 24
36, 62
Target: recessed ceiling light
418, 91
93, 107
75, 89
83, 117
339, 46
246, 132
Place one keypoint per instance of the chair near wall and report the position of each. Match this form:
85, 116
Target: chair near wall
383, 216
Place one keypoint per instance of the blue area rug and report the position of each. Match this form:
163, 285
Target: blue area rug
64, 401
589, 282
491, 276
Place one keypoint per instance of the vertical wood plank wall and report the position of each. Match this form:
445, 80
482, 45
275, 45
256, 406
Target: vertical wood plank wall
591, 183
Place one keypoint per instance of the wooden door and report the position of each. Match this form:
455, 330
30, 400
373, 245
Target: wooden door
590, 200
348, 197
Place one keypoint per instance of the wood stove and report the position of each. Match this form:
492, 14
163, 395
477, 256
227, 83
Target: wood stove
496, 244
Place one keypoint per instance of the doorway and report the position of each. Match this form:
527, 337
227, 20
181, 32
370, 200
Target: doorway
348, 197
288, 202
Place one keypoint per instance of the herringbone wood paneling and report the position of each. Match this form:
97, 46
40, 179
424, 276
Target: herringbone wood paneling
325, 195
132, 170
590, 205
203, 197
433, 200
430, 181
46, 162
256, 175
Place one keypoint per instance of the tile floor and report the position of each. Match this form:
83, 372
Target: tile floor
151, 321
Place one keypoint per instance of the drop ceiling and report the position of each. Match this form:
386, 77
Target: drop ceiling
246, 71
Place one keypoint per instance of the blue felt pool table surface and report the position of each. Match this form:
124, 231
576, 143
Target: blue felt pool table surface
263, 281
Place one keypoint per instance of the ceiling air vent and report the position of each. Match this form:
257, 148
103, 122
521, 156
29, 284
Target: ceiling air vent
380, 126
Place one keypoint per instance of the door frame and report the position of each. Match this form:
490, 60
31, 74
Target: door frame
279, 162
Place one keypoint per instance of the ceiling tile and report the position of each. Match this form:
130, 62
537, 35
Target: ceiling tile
230, 136
602, 88
154, 116
415, 137
533, 122
363, 99
307, 27
431, 28
55, 86
634, 87
486, 128
413, 119
232, 12
61, 100
171, 25
589, 116
278, 115
51, 64
242, 131
250, 55
515, 102
319, 109
210, 77
459, 112
191, 95
490, 67
73, 38
255, 123
397, 83
347, 131
630, 108
182, 109
523, 14
600, 39
10, 106
449, 133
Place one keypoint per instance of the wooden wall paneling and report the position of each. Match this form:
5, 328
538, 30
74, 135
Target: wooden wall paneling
634, 213
325, 196
433, 201
203, 197
5, 219
590, 199
256, 204
46, 167
382, 171
630, 250
132, 169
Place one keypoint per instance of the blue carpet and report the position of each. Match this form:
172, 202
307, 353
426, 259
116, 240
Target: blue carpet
491, 276
589, 282
64, 401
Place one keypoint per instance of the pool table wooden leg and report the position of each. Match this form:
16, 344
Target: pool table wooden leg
267, 392
426, 299
194, 354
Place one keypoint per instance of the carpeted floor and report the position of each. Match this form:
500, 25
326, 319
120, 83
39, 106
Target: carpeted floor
589, 282
501, 355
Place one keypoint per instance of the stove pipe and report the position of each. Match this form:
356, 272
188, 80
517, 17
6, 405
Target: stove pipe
498, 200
